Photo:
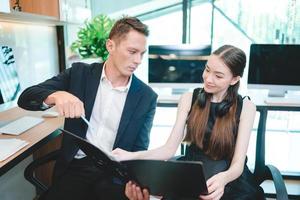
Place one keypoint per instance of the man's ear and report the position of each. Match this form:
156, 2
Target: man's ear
235, 80
110, 45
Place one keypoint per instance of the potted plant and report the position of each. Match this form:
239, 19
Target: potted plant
91, 38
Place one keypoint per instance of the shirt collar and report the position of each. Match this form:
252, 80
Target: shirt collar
120, 88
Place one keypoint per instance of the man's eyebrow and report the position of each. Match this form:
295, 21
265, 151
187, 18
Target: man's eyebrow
132, 48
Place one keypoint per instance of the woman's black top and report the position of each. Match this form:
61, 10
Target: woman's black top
244, 187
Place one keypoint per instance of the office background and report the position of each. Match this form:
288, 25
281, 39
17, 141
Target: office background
34, 42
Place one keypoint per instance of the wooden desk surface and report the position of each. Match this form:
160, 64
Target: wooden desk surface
36, 136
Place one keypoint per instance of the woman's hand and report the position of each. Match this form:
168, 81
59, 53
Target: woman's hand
133, 192
121, 154
215, 187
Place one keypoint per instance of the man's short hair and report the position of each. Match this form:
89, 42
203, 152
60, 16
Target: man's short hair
126, 24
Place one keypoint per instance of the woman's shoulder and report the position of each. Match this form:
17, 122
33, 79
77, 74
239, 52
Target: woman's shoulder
248, 108
185, 101
186, 96
248, 104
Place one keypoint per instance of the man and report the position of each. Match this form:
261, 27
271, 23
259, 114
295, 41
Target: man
118, 105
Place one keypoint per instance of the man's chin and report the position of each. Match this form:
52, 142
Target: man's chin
130, 72
127, 74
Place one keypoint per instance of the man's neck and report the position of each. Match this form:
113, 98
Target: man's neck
114, 75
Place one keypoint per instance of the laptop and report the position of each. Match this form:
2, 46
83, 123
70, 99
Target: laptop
163, 178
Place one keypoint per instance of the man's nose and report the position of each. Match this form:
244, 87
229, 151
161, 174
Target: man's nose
138, 59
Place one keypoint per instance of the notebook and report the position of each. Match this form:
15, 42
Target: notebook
163, 178
10, 146
18, 126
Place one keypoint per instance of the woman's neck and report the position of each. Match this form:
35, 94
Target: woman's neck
218, 97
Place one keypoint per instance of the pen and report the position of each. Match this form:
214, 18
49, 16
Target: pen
85, 120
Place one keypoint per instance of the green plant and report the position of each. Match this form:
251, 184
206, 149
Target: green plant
91, 38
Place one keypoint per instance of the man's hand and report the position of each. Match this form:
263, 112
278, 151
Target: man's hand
67, 104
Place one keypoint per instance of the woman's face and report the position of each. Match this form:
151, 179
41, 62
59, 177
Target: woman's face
217, 76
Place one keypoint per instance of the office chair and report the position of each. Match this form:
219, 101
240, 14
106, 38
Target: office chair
29, 172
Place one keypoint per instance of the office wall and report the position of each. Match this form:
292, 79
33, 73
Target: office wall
35, 50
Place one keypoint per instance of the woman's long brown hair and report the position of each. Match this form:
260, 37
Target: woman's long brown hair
222, 140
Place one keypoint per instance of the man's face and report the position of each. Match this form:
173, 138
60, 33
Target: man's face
127, 53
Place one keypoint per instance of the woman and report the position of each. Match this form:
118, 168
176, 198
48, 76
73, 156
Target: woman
218, 125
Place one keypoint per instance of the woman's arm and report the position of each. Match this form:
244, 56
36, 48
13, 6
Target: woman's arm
245, 126
217, 182
169, 148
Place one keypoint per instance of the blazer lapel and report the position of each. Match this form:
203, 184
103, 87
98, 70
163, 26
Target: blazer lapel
133, 97
92, 83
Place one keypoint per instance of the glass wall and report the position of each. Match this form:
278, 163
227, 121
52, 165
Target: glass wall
265, 21
201, 22
167, 23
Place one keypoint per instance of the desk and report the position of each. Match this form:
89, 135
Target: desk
36, 136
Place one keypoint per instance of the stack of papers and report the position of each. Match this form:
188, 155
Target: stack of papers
10, 146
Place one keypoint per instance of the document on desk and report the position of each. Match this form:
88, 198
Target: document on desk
20, 125
8, 147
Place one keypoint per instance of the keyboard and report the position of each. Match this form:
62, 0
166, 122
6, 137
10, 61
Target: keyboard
20, 125
283, 101
169, 98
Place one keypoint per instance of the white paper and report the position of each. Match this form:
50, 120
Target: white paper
20, 125
10, 146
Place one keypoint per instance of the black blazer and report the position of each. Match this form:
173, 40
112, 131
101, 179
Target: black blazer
82, 80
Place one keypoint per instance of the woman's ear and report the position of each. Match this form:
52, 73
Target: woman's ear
235, 80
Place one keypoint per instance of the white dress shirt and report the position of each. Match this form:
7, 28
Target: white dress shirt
106, 114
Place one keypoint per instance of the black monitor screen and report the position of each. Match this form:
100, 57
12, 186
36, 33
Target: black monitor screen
177, 63
274, 64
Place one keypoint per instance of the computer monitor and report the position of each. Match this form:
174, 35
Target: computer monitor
9, 81
275, 67
177, 66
